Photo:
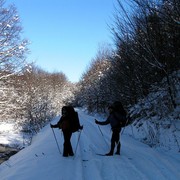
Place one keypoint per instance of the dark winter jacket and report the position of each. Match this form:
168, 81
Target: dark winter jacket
68, 123
63, 123
113, 120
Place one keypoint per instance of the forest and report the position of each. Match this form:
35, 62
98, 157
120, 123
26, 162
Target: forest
144, 60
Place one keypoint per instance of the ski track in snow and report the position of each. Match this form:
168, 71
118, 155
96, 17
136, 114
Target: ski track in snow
42, 159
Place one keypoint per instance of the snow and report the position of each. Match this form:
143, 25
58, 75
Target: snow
9, 135
6, 127
42, 160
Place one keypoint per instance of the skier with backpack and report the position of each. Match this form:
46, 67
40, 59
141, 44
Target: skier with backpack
69, 123
117, 120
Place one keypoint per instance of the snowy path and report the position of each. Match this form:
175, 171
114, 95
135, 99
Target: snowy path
42, 160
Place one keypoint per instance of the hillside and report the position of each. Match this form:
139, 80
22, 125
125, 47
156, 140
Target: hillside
41, 160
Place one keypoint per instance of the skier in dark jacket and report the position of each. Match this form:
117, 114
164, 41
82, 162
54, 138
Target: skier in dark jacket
115, 114
65, 125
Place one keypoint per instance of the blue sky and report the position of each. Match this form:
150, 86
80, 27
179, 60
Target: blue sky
65, 34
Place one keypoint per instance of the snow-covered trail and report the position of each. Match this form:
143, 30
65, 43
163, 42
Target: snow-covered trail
42, 160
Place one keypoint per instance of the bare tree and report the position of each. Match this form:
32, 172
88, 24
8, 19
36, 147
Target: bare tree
146, 47
42, 96
91, 87
12, 58
12, 47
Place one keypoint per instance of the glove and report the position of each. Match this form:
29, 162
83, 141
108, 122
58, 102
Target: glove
51, 125
96, 121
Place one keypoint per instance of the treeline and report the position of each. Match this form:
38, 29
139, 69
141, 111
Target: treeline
34, 97
29, 96
147, 50
145, 59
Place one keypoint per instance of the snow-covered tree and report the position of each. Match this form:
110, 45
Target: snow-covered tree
146, 52
146, 47
42, 97
12, 47
91, 93
12, 58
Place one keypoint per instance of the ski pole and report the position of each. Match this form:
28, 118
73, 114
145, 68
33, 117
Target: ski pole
103, 135
56, 140
77, 143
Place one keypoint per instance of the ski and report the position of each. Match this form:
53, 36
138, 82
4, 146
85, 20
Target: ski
101, 154
105, 154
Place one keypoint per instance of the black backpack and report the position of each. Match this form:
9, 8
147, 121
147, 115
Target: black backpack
73, 119
121, 114
125, 121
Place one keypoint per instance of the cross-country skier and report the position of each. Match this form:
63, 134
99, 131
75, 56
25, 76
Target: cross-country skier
116, 112
66, 124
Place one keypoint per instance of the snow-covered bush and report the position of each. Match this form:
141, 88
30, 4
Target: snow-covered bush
155, 121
